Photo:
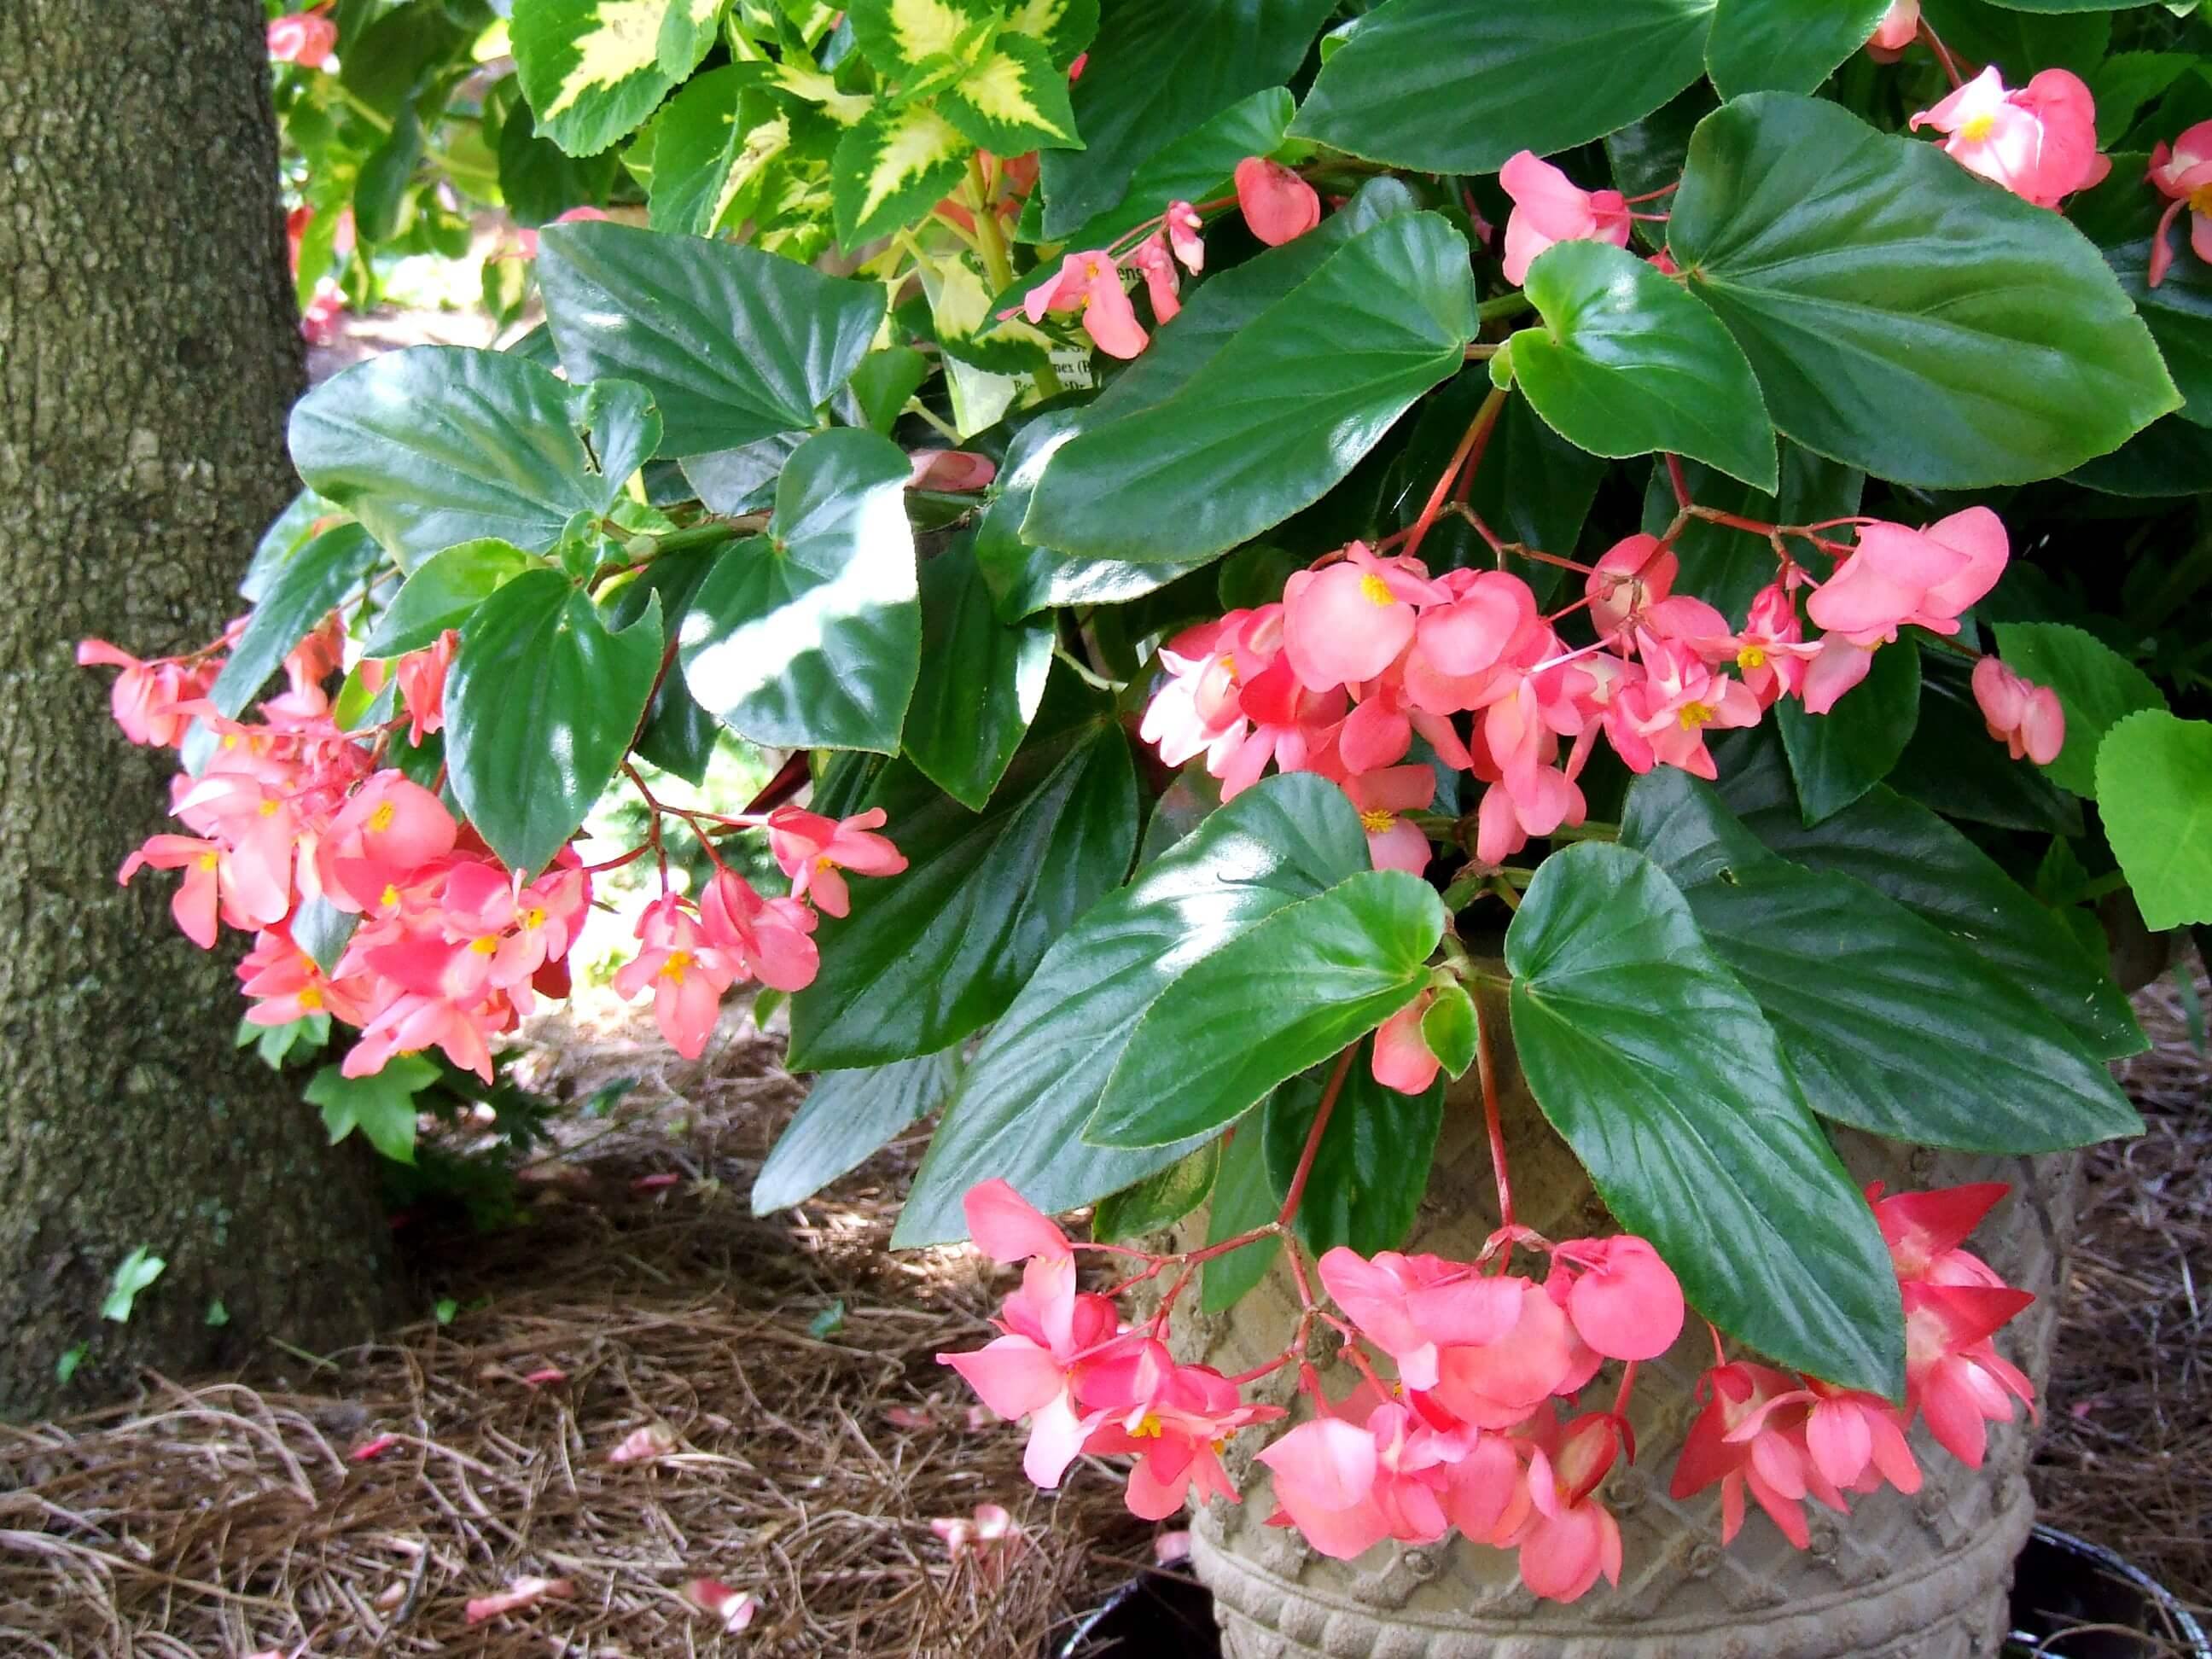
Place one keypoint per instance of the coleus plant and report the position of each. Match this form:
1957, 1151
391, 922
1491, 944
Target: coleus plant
1265, 576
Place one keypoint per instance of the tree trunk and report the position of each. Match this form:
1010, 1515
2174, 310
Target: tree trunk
148, 351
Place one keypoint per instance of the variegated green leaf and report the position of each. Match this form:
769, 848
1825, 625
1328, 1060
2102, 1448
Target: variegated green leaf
712, 146
960, 305
1012, 99
1064, 27
593, 70
902, 37
889, 168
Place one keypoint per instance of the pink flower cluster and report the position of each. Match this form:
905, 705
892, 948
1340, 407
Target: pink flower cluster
305, 37
2040, 141
1783, 1438
1481, 1431
2183, 175
450, 948
1364, 652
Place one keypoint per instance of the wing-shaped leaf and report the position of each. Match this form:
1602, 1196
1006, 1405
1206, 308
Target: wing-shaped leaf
981, 679
846, 1119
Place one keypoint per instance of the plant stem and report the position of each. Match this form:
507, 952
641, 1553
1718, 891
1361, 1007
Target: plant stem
1505, 304
1490, 1119
1329, 1095
1468, 455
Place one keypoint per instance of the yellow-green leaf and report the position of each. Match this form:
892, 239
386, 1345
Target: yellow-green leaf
593, 70
890, 166
1064, 27
900, 37
1012, 99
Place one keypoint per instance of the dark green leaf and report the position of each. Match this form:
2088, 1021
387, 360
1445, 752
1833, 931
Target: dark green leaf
2121, 217
1903, 850
678, 736
1979, 32
1449, 1028
712, 144
299, 522
1245, 1196
1888, 1022
380, 193
434, 446
734, 344
538, 180
2172, 456
387, 56
1372, 1165
810, 636
881, 385
442, 592
1434, 85
933, 954
541, 703
1903, 315
2155, 791
1195, 167
1725, 566
981, 681
846, 1119
1281, 413
1316, 976
2097, 687
301, 592
1038, 1076
1785, 46
380, 1105
1161, 1198
1837, 756
1656, 1064
1158, 68
1951, 765
1626, 362
741, 480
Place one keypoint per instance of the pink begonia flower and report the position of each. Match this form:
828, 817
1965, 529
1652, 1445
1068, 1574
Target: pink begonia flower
421, 677
1925, 1230
687, 972
414, 1022
949, 470
1089, 283
734, 1607
200, 898
1625, 1302
528, 237
1670, 710
2183, 173
1050, 1328
1502, 1382
303, 37
1348, 622
1157, 267
390, 828
1347, 1486
1899, 28
1382, 796
1634, 572
1897, 577
1952, 1374
1487, 612
1570, 1538
1182, 224
2023, 716
814, 851
1403, 1059
1290, 724
1173, 1419
1008, 1228
1548, 207
1770, 1462
1198, 711
1854, 1440
1280, 206
145, 697
1771, 654
2040, 143
287, 984
768, 936
1413, 1307
522, 1593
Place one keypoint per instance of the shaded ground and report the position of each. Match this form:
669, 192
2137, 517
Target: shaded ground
810, 1448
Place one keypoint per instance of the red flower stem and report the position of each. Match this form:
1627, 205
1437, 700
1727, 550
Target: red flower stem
1654, 195
631, 857
1681, 485
1491, 1121
1468, 454
1298, 1189
1627, 1388
1943, 55
791, 777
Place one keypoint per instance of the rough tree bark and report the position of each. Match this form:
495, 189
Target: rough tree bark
148, 352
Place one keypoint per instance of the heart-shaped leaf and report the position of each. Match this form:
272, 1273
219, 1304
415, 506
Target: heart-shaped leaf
445, 589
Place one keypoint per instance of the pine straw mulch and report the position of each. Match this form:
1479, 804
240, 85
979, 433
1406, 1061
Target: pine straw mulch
2126, 1455
228, 1518
224, 1519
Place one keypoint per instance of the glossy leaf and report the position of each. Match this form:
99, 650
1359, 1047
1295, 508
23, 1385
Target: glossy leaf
934, 954
1160, 1200
847, 1118
301, 592
1988, 31
443, 592
1012, 100
981, 679
1280, 414
2097, 687
1902, 849
1903, 316
1627, 363
1656, 1064
1449, 1028
677, 736
1785, 46
1158, 68
1888, 1023
1038, 1076
2155, 790
1725, 566
2121, 217
811, 635
1303, 984
712, 146
890, 166
593, 70
1837, 756
537, 179
734, 344
1245, 1196
1372, 1166
1198, 167
1433, 85
541, 703
434, 446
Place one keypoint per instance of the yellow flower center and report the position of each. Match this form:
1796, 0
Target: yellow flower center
2200, 200
484, 946
390, 897
1976, 129
825, 862
1752, 656
1148, 1428
207, 860
1376, 590
1695, 714
533, 917
672, 970
230, 739
311, 997
269, 809
1376, 821
381, 819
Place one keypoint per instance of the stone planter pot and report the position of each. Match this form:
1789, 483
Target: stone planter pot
1919, 1577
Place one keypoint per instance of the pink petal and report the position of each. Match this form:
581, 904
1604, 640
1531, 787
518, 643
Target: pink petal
643, 1445
1278, 204
1342, 625
522, 1593
1402, 1058
1007, 1227
1012, 1375
1630, 1307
